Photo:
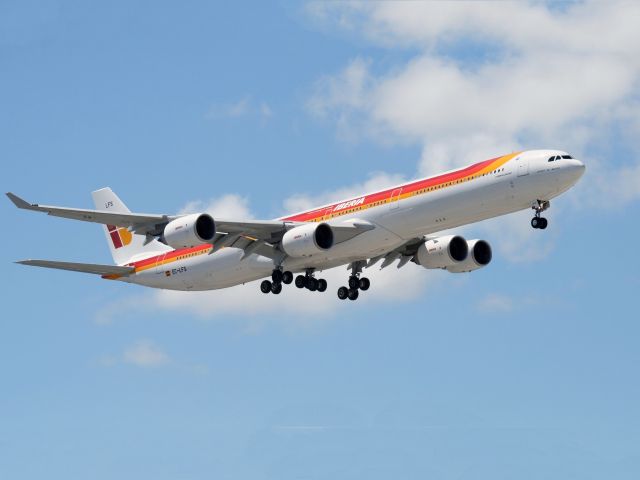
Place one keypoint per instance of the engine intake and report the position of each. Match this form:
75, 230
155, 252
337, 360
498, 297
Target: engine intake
190, 231
307, 240
479, 256
442, 252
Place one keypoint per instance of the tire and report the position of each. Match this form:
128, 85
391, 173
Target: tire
543, 223
322, 285
276, 276
265, 286
364, 284
301, 281
287, 277
343, 293
354, 283
276, 288
535, 222
353, 294
312, 284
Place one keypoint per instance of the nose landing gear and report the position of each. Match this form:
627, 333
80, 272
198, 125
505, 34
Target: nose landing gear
538, 221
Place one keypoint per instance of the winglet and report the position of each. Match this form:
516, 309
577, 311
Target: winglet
21, 203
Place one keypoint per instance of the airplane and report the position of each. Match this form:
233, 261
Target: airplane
197, 252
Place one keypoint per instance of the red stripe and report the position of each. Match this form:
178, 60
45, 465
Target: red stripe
169, 255
407, 188
115, 238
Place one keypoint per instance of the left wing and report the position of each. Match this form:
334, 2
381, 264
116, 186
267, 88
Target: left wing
143, 224
227, 231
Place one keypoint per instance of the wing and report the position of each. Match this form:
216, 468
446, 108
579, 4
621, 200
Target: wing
228, 231
142, 224
81, 267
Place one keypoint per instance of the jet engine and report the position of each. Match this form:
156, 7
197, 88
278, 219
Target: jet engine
189, 231
479, 256
442, 252
307, 240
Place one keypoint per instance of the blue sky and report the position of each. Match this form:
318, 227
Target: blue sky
525, 369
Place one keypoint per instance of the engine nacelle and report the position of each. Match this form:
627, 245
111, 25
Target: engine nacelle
307, 240
190, 231
479, 256
442, 252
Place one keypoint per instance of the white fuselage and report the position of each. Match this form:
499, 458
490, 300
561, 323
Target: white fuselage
517, 184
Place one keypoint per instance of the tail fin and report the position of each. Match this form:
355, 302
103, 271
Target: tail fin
124, 245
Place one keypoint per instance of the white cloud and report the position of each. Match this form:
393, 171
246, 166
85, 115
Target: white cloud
376, 181
495, 303
552, 78
242, 107
299, 309
144, 354
228, 206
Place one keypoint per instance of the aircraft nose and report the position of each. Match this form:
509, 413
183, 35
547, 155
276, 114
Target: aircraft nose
576, 169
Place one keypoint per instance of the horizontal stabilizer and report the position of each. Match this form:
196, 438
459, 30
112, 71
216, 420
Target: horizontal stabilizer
81, 267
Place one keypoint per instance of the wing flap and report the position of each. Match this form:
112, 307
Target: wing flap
81, 267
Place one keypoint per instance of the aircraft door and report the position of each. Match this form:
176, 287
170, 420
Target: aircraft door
523, 166
395, 199
159, 267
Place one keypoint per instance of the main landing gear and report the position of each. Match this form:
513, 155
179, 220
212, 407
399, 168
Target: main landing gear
355, 284
278, 277
311, 283
538, 221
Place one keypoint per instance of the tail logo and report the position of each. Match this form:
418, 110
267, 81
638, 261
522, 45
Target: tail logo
121, 237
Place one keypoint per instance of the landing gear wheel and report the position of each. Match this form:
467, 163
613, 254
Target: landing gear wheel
543, 223
535, 222
276, 288
364, 284
353, 294
276, 276
301, 281
265, 286
343, 293
354, 282
287, 277
312, 284
322, 285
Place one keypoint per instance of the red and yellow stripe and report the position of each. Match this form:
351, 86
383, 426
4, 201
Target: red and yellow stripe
401, 192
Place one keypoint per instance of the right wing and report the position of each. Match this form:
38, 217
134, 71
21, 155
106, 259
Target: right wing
81, 267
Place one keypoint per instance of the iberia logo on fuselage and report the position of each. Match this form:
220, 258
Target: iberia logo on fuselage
121, 237
349, 204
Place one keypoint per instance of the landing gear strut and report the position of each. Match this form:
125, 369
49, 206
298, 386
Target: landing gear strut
538, 221
356, 283
311, 283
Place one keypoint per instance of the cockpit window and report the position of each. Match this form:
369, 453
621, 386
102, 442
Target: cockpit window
558, 157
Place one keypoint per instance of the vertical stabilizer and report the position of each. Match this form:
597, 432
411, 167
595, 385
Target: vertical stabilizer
124, 245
